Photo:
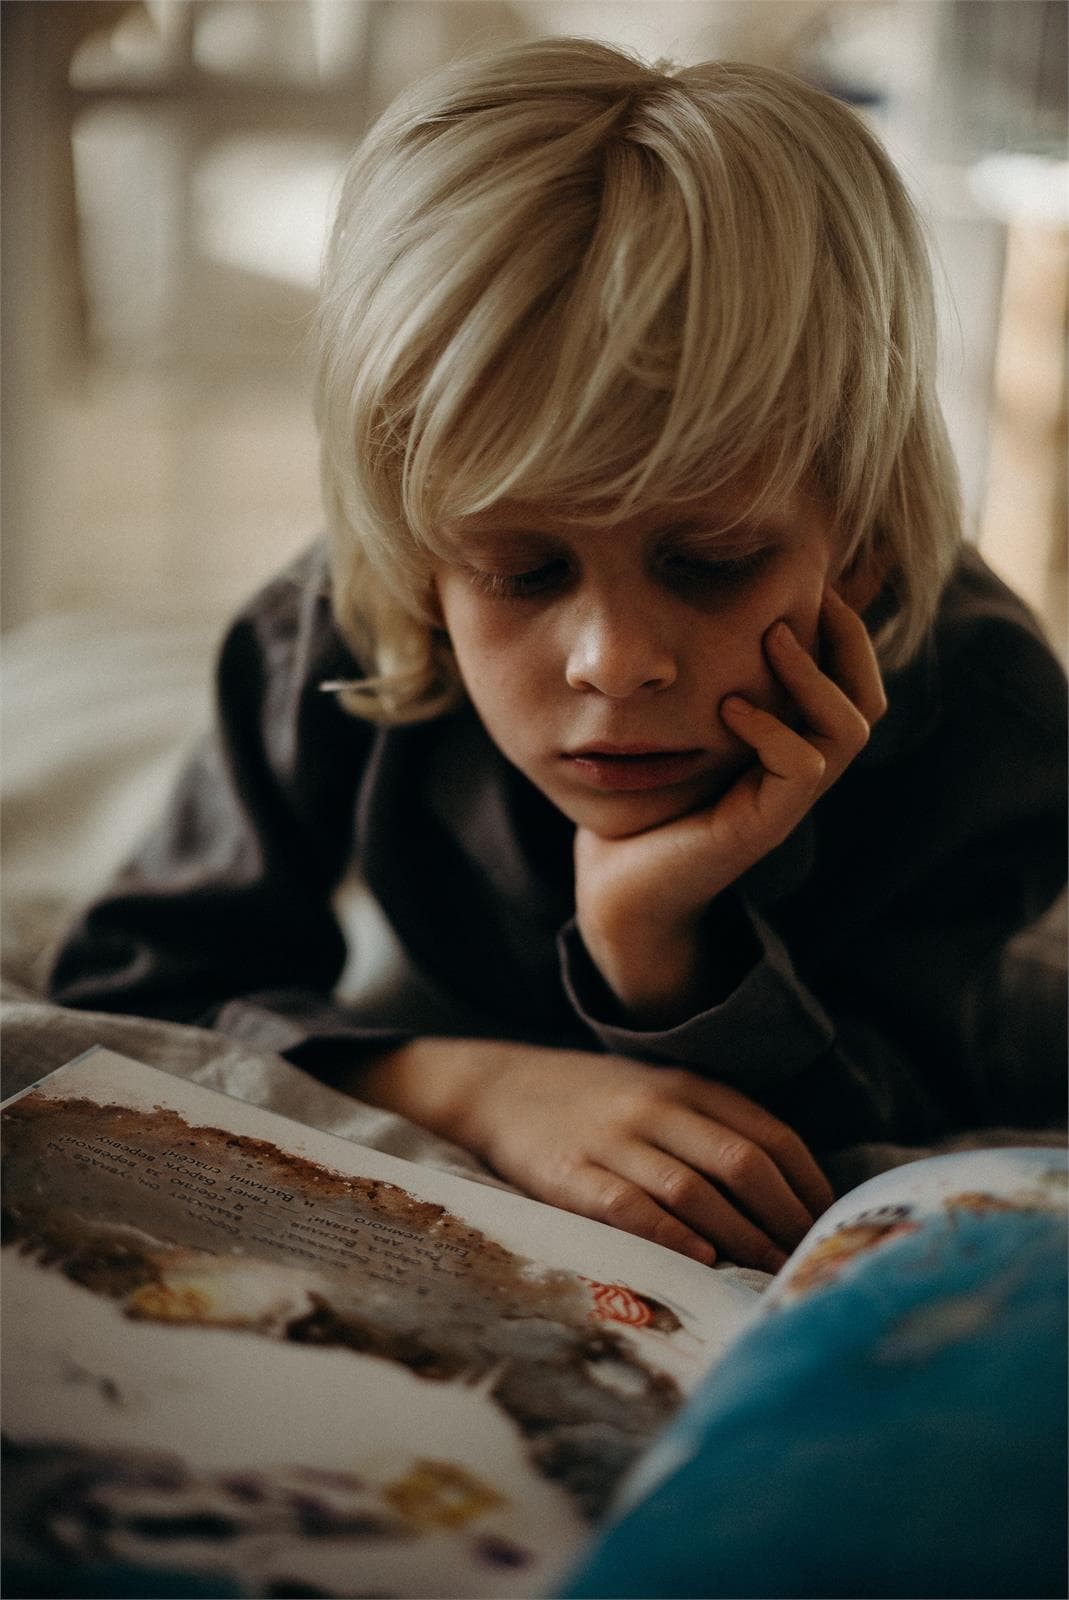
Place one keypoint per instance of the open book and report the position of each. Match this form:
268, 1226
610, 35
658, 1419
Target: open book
248, 1351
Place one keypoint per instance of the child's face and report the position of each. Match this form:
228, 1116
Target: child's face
598, 658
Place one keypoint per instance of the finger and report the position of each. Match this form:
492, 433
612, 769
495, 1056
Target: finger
851, 656
792, 767
612, 1197
678, 1190
790, 1153
739, 1168
839, 728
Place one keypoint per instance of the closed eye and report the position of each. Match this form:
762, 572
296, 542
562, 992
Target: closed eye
688, 569
547, 578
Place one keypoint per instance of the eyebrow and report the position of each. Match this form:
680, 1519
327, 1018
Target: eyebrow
741, 528
502, 528
475, 531
460, 540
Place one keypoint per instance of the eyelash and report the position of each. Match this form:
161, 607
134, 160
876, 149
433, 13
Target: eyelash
521, 585
680, 571
723, 572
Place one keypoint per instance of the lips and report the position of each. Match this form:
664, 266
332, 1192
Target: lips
631, 768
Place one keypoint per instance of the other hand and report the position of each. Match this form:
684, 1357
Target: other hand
657, 1151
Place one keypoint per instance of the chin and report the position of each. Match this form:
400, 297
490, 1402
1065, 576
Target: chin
619, 816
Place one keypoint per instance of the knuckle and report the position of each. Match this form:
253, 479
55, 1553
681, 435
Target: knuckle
780, 1142
741, 1161
641, 1105
662, 1087
619, 1204
673, 1083
559, 1183
680, 1188
857, 734
813, 765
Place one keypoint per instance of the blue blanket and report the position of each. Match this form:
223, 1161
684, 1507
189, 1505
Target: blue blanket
899, 1431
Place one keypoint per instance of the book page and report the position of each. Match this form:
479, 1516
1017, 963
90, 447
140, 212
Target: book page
910, 1198
262, 1351
899, 1274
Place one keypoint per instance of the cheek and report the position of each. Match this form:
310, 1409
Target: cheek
736, 658
494, 662
463, 619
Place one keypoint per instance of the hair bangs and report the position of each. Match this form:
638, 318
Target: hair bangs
559, 276
638, 377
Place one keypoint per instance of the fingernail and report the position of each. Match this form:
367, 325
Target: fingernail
736, 706
781, 633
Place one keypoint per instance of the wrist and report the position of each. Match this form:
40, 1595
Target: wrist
652, 973
659, 978
432, 1081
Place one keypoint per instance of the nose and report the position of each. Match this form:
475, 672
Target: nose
618, 649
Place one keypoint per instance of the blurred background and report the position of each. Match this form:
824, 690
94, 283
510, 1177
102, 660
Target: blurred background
168, 167
167, 171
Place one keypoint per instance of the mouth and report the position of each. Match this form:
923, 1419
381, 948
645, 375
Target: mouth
632, 768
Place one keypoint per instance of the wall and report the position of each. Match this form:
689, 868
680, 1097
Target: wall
168, 171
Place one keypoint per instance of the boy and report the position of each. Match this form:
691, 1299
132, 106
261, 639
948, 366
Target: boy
628, 419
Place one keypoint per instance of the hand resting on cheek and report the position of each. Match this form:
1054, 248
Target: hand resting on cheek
688, 1162
642, 901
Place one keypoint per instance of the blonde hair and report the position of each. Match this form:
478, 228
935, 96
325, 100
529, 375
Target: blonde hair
559, 275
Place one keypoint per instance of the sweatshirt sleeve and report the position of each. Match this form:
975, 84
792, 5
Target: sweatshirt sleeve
768, 1003
968, 1030
222, 918
916, 984
835, 1080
